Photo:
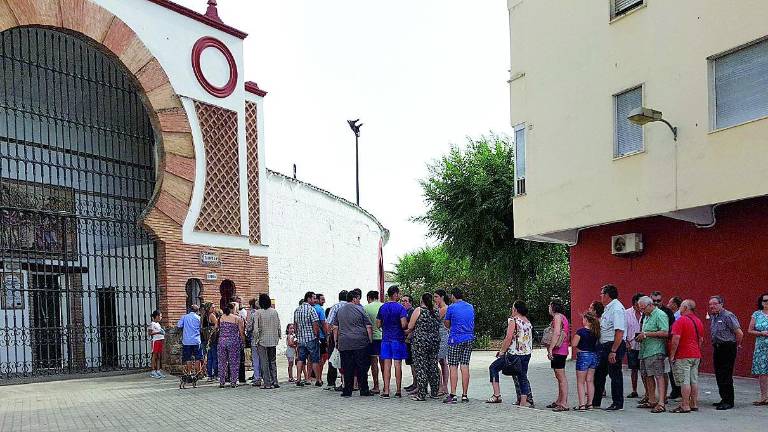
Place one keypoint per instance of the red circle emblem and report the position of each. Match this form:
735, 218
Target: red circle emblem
197, 51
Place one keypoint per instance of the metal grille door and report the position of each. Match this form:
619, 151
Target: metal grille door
77, 169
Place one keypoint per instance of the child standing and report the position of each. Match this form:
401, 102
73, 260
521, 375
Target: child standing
290, 352
157, 334
585, 343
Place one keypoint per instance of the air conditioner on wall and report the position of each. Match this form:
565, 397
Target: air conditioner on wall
627, 244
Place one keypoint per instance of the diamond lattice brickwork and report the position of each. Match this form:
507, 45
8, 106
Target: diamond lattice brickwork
221, 202
252, 140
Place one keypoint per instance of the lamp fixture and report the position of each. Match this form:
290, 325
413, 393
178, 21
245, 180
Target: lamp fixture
643, 115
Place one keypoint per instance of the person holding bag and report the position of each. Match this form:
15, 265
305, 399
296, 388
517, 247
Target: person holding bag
555, 337
514, 355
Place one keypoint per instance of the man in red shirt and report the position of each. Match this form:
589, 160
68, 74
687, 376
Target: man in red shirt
685, 355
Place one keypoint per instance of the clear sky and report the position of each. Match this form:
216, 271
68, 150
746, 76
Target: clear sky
420, 74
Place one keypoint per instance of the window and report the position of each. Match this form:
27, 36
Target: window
620, 7
739, 82
520, 167
629, 136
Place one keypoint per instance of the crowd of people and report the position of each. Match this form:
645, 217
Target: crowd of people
662, 344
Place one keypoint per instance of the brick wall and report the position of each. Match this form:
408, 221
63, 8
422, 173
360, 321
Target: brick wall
178, 262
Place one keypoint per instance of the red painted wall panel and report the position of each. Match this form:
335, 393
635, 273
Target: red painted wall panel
730, 259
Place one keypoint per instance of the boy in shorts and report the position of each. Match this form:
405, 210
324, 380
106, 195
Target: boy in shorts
157, 334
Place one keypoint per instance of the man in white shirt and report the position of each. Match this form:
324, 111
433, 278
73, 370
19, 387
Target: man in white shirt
613, 325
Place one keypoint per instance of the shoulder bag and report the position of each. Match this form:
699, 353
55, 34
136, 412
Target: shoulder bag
546, 339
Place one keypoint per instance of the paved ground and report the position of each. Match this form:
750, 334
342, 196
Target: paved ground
135, 402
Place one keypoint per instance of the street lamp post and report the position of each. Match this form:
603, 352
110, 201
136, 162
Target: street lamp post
356, 129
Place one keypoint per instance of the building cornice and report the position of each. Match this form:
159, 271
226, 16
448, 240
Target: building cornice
189, 13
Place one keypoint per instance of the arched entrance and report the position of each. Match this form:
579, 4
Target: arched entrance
77, 170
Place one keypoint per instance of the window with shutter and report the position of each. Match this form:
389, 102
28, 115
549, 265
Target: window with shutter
629, 136
520, 167
621, 7
740, 85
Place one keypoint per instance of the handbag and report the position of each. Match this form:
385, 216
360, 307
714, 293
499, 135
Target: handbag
546, 339
511, 365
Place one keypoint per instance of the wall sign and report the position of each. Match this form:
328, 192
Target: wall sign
211, 276
197, 52
210, 259
12, 294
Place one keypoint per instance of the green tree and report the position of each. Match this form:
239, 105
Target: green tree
469, 196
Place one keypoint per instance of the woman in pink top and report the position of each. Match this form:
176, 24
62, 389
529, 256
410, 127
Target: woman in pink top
558, 354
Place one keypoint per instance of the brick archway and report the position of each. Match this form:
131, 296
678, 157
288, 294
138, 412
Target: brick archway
175, 150
165, 214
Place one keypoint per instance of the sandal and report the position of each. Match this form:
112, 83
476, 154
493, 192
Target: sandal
659, 409
680, 410
384, 395
464, 398
588, 407
760, 403
552, 405
560, 408
695, 409
647, 405
494, 399
581, 408
418, 398
644, 400
398, 395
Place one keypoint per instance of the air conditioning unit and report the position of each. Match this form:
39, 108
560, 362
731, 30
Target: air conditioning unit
627, 244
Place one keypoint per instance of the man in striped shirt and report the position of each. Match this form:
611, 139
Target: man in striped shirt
307, 325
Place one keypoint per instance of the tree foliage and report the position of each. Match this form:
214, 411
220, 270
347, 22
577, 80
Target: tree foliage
469, 196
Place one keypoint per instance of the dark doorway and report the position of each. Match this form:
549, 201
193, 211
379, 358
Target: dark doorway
108, 329
228, 291
45, 326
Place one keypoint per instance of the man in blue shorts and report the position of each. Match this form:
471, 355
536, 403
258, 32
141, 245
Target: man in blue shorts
391, 319
192, 352
460, 321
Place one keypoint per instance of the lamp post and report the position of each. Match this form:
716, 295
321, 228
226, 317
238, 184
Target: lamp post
356, 129
643, 115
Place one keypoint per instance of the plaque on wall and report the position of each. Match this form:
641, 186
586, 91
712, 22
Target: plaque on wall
12, 290
38, 221
210, 259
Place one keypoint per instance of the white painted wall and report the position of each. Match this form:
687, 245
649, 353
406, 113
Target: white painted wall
317, 242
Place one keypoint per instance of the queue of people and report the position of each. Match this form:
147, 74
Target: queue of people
662, 344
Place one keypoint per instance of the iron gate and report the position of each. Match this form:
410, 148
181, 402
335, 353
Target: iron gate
77, 169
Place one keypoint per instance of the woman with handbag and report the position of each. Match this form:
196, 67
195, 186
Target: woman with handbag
514, 355
555, 337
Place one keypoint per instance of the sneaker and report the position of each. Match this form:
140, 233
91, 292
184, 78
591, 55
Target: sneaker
614, 408
277, 386
160, 374
450, 399
410, 388
153, 374
633, 395
299, 384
